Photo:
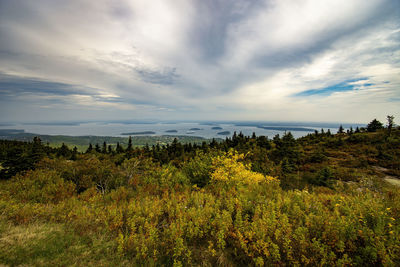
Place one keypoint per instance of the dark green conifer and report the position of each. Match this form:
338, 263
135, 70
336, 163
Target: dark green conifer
90, 148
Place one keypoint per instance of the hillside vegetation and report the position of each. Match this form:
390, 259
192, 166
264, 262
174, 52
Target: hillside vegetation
321, 200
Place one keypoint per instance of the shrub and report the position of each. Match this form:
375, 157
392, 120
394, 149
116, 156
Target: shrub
40, 186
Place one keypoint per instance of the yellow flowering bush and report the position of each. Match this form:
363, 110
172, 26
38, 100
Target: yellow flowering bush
230, 169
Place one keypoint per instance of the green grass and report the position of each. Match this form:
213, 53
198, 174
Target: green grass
46, 244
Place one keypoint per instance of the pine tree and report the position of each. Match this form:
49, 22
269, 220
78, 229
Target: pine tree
374, 125
119, 148
129, 148
97, 148
74, 153
63, 151
390, 120
341, 130
104, 150
37, 149
90, 148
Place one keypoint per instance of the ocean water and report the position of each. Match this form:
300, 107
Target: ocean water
182, 128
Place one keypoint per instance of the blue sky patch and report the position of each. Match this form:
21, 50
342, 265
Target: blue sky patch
340, 87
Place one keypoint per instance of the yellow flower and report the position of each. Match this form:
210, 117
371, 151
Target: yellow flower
228, 168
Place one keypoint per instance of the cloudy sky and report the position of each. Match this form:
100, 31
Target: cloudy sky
285, 60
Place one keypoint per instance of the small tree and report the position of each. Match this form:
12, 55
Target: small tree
74, 153
119, 148
104, 150
90, 148
97, 148
129, 144
341, 130
374, 125
390, 119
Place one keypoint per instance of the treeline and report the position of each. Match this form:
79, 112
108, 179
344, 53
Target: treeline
296, 162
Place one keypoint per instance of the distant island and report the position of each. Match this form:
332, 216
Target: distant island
139, 133
224, 133
216, 128
282, 128
11, 131
195, 129
171, 131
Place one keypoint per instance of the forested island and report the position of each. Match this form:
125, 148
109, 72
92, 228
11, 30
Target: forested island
224, 133
322, 199
139, 133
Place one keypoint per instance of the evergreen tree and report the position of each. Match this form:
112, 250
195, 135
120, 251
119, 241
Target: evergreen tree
104, 150
90, 148
357, 130
37, 149
64, 151
97, 148
74, 153
390, 123
341, 130
129, 148
119, 148
374, 125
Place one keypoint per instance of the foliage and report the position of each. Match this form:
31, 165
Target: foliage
229, 169
246, 201
374, 125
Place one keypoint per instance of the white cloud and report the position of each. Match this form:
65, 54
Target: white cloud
182, 59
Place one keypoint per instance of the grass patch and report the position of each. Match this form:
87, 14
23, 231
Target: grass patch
44, 244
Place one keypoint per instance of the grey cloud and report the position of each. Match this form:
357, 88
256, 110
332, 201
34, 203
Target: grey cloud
211, 24
165, 77
299, 54
11, 85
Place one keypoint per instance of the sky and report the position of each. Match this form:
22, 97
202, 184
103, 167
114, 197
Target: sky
272, 60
